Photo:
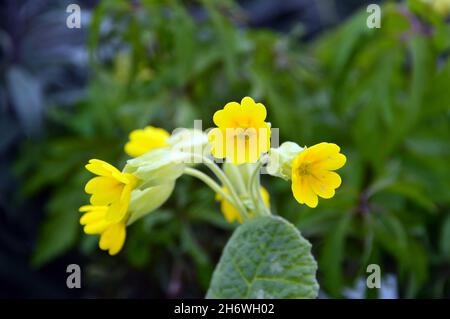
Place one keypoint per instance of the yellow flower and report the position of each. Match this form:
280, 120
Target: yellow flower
112, 235
145, 140
242, 134
312, 173
110, 197
111, 188
230, 212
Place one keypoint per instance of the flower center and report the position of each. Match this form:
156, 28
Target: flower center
245, 133
304, 170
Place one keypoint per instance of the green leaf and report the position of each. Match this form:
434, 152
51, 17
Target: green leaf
422, 72
333, 255
265, 258
445, 238
57, 234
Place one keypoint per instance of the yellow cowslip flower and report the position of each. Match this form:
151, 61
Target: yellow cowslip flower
110, 198
145, 140
111, 188
112, 235
230, 212
312, 173
242, 134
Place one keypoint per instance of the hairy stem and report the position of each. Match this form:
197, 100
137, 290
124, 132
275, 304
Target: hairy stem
208, 181
255, 189
237, 202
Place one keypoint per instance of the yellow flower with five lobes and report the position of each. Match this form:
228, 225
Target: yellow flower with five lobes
110, 188
242, 134
311, 169
144, 140
230, 213
120, 198
112, 235
313, 173
110, 197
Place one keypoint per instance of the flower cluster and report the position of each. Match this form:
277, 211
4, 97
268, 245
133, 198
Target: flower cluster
241, 138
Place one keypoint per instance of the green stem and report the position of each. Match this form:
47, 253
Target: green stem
226, 182
208, 181
237, 176
255, 189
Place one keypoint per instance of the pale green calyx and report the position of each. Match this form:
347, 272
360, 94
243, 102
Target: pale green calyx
160, 166
144, 201
157, 171
280, 159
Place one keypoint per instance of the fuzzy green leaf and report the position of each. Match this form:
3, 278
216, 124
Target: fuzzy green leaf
265, 258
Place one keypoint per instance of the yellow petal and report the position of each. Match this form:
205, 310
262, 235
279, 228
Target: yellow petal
100, 184
332, 162
134, 149
303, 192
96, 227
113, 238
123, 178
104, 193
118, 240
321, 188
324, 149
265, 196
143, 141
217, 139
224, 118
105, 239
93, 216
87, 208
230, 212
264, 134
118, 209
100, 167
331, 179
257, 111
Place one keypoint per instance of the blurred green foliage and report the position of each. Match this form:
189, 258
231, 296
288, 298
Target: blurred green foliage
381, 94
